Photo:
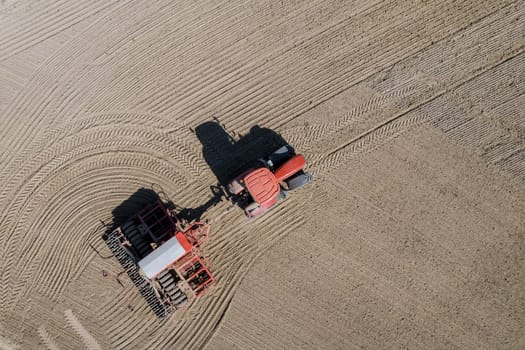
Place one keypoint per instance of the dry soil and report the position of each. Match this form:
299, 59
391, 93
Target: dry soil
410, 114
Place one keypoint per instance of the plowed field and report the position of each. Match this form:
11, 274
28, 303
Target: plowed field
410, 114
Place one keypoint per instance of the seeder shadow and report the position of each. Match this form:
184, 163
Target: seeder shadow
145, 197
140, 199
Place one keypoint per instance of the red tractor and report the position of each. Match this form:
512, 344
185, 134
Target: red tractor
257, 189
162, 258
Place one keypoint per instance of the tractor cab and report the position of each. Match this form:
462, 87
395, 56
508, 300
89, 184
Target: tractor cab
262, 185
257, 189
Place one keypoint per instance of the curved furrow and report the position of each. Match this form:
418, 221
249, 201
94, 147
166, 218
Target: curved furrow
171, 130
146, 164
112, 309
65, 260
45, 80
136, 162
59, 276
61, 264
46, 159
119, 317
25, 199
13, 25
50, 25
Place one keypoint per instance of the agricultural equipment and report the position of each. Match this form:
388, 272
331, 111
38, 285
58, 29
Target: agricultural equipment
269, 181
163, 258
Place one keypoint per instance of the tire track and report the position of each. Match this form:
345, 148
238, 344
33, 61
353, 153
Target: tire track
304, 137
49, 344
78, 328
300, 99
387, 127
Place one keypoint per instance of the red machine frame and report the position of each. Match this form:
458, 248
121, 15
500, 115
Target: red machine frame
176, 284
192, 265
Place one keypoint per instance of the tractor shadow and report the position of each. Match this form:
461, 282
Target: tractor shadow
228, 156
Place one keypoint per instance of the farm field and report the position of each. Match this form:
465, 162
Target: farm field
409, 113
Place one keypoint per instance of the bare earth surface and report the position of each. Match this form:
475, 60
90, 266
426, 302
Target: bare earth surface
410, 113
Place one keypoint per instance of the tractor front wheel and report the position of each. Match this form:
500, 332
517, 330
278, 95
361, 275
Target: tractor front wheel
298, 181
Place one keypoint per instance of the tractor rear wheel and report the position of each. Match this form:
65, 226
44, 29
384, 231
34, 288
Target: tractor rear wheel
282, 195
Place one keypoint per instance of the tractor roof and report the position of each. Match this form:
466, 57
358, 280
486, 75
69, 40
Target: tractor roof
262, 185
